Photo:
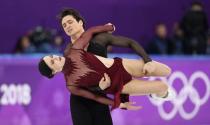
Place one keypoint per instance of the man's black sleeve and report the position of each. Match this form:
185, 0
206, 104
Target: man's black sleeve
106, 39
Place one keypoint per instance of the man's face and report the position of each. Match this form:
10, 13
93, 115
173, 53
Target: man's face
54, 62
71, 26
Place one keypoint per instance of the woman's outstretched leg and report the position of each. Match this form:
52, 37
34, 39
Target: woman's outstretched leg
141, 87
135, 68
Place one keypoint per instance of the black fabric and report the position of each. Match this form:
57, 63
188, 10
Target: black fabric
195, 27
194, 23
105, 39
88, 112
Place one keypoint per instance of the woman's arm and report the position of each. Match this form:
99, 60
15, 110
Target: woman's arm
87, 94
82, 42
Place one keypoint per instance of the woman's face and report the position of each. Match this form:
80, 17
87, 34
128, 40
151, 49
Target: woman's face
54, 62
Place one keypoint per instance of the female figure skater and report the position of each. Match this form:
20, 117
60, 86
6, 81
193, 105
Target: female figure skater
84, 69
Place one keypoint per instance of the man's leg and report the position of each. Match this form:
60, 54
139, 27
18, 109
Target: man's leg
101, 114
88, 112
79, 111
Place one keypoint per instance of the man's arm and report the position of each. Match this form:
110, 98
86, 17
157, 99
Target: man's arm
84, 39
106, 39
87, 94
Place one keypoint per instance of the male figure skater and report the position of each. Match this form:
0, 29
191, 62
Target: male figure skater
86, 111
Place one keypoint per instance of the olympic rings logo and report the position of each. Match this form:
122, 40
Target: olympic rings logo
188, 90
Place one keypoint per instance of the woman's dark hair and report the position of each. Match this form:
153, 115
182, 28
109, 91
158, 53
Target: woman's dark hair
71, 12
45, 70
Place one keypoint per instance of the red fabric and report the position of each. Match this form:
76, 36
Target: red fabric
84, 69
79, 75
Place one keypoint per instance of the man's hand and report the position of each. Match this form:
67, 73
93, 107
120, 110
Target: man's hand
148, 68
113, 27
105, 82
129, 106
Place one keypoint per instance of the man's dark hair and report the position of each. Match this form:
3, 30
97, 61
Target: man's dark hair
71, 12
44, 69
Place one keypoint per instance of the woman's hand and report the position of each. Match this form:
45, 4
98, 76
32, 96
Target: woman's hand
129, 106
105, 82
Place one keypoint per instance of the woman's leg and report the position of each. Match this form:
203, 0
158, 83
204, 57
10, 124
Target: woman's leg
140, 87
135, 67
